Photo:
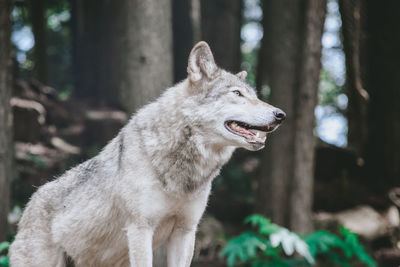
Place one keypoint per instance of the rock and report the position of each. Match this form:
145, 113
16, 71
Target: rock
393, 217
362, 220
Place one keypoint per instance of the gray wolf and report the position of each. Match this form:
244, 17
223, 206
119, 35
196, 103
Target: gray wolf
150, 184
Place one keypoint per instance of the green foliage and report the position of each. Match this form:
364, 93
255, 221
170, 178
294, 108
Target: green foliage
64, 95
355, 247
243, 247
36, 160
3, 254
58, 30
328, 89
321, 242
249, 63
265, 226
328, 245
268, 247
274, 245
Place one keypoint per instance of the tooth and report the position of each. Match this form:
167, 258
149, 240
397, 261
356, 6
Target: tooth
258, 134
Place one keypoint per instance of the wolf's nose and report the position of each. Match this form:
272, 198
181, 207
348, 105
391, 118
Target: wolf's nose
279, 115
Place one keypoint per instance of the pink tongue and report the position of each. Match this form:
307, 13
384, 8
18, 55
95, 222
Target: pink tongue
244, 131
250, 135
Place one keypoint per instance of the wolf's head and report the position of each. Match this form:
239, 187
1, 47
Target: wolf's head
226, 107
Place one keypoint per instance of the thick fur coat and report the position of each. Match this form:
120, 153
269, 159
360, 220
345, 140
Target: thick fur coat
151, 183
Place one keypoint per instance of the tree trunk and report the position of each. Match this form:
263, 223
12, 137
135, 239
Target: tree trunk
183, 37
124, 57
290, 65
5, 115
39, 28
195, 17
306, 101
98, 61
382, 83
149, 62
221, 22
353, 30
133, 64
85, 47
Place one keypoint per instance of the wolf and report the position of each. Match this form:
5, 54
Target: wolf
150, 184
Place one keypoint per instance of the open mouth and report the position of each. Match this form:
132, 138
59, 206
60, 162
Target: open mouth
252, 133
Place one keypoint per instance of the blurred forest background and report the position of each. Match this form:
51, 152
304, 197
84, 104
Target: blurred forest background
72, 72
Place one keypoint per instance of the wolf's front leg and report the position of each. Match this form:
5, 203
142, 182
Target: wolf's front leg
140, 246
180, 247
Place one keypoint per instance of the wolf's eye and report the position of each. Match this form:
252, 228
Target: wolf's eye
237, 92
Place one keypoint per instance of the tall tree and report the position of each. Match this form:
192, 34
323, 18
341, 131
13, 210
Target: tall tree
183, 36
221, 22
124, 57
98, 37
39, 28
371, 46
353, 31
382, 83
290, 65
149, 63
5, 114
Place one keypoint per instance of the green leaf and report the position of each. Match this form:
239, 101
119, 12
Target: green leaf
270, 251
273, 241
37, 160
337, 259
243, 247
4, 246
4, 261
321, 242
265, 226
356, 248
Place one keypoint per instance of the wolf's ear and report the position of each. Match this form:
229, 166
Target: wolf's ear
201, 62
242, 75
